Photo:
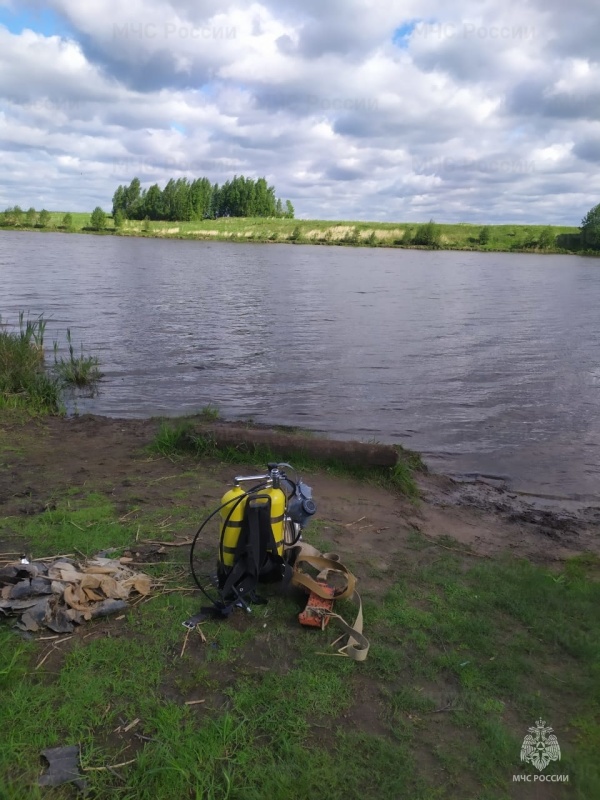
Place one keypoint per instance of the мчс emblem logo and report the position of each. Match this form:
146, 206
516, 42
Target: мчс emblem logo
538, 748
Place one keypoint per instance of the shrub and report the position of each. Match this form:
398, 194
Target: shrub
428, 235
45, 218
547, 239
98, 219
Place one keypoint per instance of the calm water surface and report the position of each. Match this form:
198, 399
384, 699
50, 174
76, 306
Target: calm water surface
487, 363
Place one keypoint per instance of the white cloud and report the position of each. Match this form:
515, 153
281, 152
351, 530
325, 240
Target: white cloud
478, 112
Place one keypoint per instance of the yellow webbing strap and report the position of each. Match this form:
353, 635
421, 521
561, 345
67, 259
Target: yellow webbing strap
357, 646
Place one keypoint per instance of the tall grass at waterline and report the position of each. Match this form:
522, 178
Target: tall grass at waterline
24, 381
80, 370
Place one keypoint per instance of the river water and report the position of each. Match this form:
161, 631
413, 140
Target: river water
486, 363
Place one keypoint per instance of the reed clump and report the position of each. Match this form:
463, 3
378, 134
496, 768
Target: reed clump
26, 381
76, 370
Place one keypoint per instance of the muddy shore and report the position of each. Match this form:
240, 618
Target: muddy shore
44, 458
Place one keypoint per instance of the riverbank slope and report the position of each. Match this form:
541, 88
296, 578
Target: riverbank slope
481, 612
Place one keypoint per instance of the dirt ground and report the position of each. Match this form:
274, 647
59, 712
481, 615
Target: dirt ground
48, 457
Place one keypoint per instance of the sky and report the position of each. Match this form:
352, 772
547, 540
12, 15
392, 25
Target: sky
390, 110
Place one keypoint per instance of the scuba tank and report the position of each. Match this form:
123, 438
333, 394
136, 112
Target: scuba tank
256, 525
268, 503
233, 506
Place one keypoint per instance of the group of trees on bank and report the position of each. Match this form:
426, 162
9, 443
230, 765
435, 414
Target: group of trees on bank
184, 201
16, 217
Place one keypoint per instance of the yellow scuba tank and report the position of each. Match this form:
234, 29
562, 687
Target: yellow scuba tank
232, 515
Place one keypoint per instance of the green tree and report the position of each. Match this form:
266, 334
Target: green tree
98, 219
67, 222
16, 215
132, 198
590, 229
118, 218
289, 209
485, 235
153, 202
31, 217
547, 239
428, 235
119, 200
45, 218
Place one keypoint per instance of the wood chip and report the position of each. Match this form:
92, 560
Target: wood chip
194, 702
185, 641
354, 523
111, 767
44, 659
169, 544
131, 725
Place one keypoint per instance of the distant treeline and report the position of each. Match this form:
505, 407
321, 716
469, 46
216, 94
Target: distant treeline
185, 201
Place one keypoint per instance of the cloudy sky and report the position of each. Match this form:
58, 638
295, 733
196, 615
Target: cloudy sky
476, 110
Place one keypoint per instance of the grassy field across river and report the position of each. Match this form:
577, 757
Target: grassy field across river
462, 236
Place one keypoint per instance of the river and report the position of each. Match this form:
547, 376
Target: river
487, 363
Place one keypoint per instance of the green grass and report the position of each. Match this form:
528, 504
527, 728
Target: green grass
88, 523
466, 654
182, 437
24, 381
209, 413
27, 382
462, 236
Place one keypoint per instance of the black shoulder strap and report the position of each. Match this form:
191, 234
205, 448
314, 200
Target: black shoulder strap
251, 551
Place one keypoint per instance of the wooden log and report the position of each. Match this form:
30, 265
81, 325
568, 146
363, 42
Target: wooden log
286, 446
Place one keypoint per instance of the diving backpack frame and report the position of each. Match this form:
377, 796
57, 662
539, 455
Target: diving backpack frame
257, 525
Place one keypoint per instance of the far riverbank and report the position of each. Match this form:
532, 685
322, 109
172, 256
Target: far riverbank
462, 236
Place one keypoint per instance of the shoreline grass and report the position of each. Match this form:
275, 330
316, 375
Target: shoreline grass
519, 238
27, 382
24, 380
182, 437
